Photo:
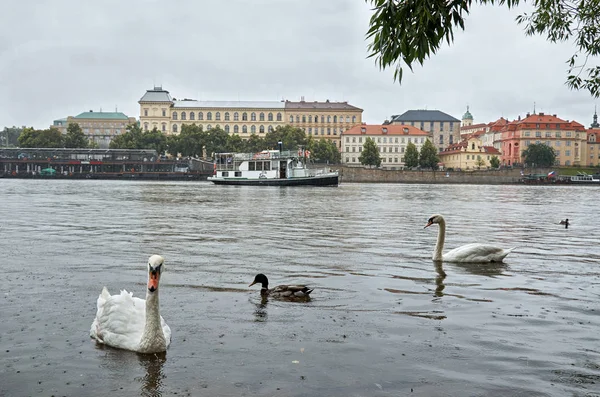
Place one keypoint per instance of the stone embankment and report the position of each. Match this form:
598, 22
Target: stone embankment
483, 177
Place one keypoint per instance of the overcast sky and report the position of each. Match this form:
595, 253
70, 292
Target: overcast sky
62, 57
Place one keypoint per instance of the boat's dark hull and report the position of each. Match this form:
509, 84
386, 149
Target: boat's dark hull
326, 180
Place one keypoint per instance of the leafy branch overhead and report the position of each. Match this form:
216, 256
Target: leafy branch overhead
407, 32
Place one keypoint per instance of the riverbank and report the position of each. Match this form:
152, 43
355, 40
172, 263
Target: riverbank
482, 177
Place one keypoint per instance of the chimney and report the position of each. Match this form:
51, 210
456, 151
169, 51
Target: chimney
519, 118
302, 98
554, 115
541, 113
528, 114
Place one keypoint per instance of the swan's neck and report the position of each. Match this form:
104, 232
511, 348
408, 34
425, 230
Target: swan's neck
153, 338
439, 246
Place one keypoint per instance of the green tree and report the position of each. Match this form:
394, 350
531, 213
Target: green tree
75, 138
255, 144
130, 139
479, 162
153, 139
428, 157
324, 151
235, 144
411, 156
408, 32
370, 154
216, 141
494, 162
539, 155
291, 137
49, 138
9, 137
190, 141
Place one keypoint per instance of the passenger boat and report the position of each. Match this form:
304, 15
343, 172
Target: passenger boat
270, 168
583, 177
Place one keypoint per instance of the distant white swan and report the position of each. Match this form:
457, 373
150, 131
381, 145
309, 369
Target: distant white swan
474, 252
125, 322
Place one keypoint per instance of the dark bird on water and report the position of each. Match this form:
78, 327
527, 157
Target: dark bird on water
281, 291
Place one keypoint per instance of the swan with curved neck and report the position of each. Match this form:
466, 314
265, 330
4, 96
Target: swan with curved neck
474, 252
130, 323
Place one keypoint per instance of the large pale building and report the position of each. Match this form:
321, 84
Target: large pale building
320, 119
391, 140
593, 143
567, 138
468, 154
444, 129
323, 119
98, 127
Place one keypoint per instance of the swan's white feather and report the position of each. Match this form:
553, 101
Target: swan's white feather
120, 321
476, 252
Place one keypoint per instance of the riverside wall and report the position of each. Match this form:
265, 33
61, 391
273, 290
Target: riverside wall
484, 177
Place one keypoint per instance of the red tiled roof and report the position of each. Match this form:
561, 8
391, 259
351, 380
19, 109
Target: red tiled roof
392, 129
473, 126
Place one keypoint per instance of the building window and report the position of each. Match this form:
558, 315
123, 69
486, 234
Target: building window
218, 116
200, 116
304, 118
253, 116
253, 129
236, 116
174, 115
297, 119
244, 116
291, 119
236, 129
226, 127
244, 128
145, 112
208, 116
309, 130
192, 115
146, 126
226, 116
174, 127
164, 113
182, 115
262, 129
208, 127
279, 117
164, 127
271, 128
261, 117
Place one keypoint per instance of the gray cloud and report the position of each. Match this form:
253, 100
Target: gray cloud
63, 57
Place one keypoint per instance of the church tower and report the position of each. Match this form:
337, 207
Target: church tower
467, 118
595, 123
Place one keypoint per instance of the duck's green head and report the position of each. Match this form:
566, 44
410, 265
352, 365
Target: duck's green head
260, 279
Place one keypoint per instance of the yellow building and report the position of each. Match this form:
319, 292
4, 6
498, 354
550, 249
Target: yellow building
469, 154
323, 119
320, 119
391, 140
98, 127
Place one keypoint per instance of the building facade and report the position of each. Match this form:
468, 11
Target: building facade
469, 154
567, 138
323, 119
98, 127
391, 141
443, 129
319, 119
593, 143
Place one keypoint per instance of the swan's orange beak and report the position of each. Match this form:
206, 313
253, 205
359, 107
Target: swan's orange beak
153, 281
428, 224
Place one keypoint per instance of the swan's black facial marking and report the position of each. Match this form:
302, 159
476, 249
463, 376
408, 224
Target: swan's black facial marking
429, 222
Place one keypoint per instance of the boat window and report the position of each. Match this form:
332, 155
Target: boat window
259, 166
225, 174
267, 166
251, 166
238, 173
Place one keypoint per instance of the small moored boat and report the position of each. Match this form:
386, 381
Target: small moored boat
583, 177
270, 168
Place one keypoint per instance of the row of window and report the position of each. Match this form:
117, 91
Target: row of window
431, 124
236, 128
382, 149
557, 134
385, 139
315, 119
383, 160
549, 143
236, 116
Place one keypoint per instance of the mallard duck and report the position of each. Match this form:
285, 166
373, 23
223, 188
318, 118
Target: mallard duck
281, 291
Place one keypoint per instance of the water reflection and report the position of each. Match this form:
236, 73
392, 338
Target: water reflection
152, 381
489, 269
261, 314
439, 279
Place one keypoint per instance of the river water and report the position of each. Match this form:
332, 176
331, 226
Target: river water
383, 319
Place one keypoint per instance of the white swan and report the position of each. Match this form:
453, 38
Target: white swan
474, 252
125, 322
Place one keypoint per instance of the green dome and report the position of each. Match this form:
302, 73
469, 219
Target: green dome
467, 115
